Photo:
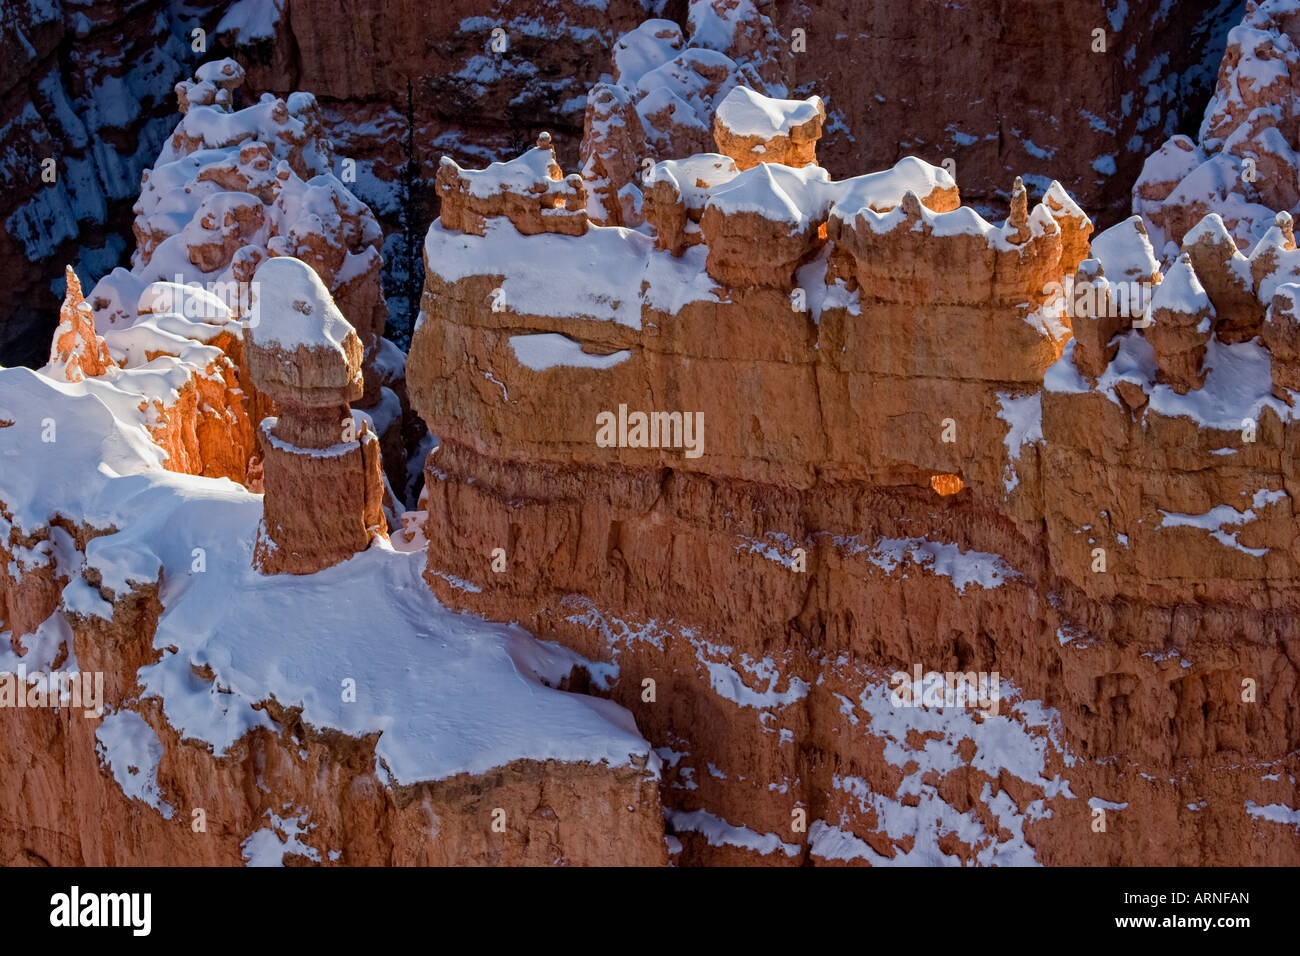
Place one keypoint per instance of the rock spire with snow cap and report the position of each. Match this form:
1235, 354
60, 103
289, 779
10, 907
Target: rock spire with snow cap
1096, 320
1017, 230
300, 347
752, 128
1280, 333
214, 83
1183, 319
1226, 275
1075, 225
321, 471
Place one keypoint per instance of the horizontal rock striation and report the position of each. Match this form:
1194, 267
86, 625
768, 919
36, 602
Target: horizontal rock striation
897, 468
269, 719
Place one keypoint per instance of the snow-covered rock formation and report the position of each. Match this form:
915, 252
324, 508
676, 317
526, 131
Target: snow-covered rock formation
1243, 167
335, 714
320, 464
874, 529
797, 444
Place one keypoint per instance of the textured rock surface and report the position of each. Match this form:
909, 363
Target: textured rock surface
530, 191
85, 103
866, 58
320, 466
1243, 164
91, 86
179, 362
769, 587
1180, 331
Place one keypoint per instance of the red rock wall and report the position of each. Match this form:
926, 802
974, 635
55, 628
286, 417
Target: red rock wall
63, 808
651, 570
823, 433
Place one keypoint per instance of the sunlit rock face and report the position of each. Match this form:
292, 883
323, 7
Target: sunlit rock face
871, 519
811, 445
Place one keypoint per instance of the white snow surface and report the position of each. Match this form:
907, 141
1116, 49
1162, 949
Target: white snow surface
1221, 516
545, 350
962, 221
747, 112
448, 693
729, 682
649, 44
518, 175
268, 845
251, 20
718, 832
1181, 291
1124, 251
801, 196
537, 271
965, 568
1024, 417
131, 750
1274, 813
291, 307
695, 177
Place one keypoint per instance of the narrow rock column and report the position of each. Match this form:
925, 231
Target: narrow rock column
1183, 319
321, 462
1096, 320
1281, 335
77, 350
1017, 228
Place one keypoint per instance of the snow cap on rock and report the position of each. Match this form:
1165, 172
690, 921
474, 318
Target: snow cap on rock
300, 345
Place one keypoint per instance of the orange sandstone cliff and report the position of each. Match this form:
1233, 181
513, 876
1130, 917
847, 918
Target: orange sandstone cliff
800, 448
843, 524
193, 671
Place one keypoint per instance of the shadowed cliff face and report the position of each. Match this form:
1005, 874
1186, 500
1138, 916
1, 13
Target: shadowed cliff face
85, 105
998, 89
1010, 88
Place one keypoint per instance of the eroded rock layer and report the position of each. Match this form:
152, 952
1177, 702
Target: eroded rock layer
776, 489
207, 712
288, 794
